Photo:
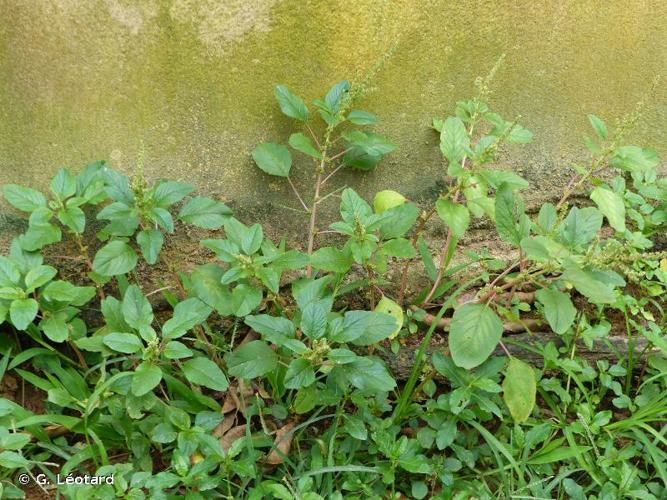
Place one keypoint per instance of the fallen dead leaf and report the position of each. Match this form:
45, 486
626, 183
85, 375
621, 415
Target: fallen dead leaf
282, 443
224, 426
230, 437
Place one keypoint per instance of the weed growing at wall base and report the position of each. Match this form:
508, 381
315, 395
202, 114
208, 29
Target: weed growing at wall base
266, 371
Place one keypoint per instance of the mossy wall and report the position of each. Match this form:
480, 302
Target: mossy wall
192, 79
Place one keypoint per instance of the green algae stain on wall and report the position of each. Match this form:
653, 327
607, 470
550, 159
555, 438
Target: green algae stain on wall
193, 80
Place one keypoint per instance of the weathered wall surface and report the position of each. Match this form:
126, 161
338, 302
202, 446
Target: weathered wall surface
192, 79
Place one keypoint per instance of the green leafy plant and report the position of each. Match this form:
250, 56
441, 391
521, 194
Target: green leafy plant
361, 150
268, 372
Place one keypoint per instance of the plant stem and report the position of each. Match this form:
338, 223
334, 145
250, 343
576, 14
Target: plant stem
408, 390
313, 220
450, 235
296, 192
406, 267
338, 155
441, 266
316, 198
83, 249
332, 173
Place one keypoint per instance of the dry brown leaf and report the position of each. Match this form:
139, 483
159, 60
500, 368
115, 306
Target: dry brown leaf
251, 335
283, 443
229, 404
226, 424
262, 392
231, 436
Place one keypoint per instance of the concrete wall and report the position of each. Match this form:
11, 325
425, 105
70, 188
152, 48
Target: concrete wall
192, 79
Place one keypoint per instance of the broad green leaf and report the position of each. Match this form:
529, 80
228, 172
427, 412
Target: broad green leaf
580, 226
150, 241
427, 258
519, 135
13, 440
207, 287
39, 276
202, 371
252, 241
355, 427
127, 343
205, 213
170, 192
187, 315
22, 312
114, 258
235, 231
252, 360
635, 159
11, 460
372, 144
387, 199
360, 117
290, 104
611, 205
456, 216
176, 350
474, 334
365, 327
55, 328
73, 218
388, 306
599, 126
558, 309
353, 206
399, 247
64, 291
587, 284
10, 273
40, 231
302, 143
331, 259
478, 201
519, 388
336, 95
547, 217
292, 259
342, 356
496, 178
145, 378
299, 374
310, 289
359, 159
275, 329
542, 249
512, 223
162, 218
225, 250
270, 278
116, 210
454, 144
137, 311
274, 159
11, 293
314, 320
63, 185
24, 198
245, 298
368, 374
163, 433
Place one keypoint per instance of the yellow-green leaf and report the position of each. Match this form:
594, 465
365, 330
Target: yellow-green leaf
519, 388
